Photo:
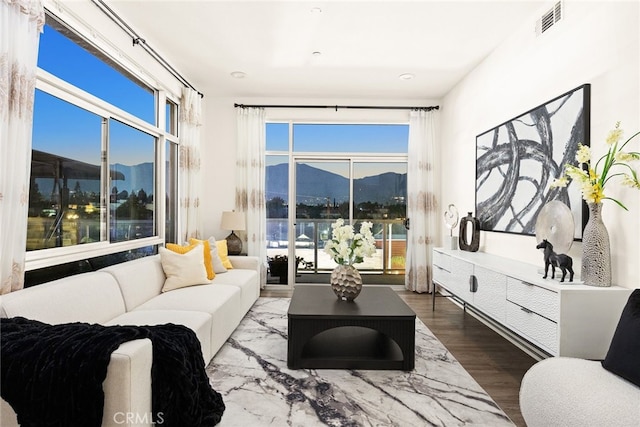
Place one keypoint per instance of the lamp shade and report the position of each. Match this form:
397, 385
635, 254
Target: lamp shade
232, 221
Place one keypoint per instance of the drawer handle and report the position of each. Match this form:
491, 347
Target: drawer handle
473, 283
526, 310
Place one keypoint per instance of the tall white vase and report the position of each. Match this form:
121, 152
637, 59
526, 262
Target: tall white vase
596, 254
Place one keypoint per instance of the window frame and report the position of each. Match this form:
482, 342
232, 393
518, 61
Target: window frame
67, 92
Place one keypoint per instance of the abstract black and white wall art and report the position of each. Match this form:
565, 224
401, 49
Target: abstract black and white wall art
517, 161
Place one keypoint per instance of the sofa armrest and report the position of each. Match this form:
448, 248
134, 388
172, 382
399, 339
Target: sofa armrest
245, 262
127, 387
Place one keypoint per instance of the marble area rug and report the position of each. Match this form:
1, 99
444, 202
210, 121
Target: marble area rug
250, 371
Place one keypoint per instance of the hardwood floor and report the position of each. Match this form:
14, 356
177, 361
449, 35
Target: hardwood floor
495, 363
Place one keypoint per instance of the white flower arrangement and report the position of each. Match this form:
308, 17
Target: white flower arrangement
592, 179
347, 247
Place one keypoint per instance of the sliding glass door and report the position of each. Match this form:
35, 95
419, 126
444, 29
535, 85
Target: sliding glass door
307, 191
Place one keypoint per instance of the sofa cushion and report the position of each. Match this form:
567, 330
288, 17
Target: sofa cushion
623, 357
223, 302
139, 280
183, 270
197, 321
93, 297
246, 280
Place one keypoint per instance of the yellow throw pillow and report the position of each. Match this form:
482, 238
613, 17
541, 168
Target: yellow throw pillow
224, 254
208, 264
183, 270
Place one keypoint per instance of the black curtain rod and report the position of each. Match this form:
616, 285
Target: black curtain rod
361, 107
137, 40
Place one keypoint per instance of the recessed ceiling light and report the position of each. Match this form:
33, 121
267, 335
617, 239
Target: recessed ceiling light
316, 10
406, 76
238, 74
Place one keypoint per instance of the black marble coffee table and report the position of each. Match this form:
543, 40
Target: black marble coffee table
375, 331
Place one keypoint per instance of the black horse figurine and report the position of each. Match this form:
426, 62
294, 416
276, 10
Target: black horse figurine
562, 261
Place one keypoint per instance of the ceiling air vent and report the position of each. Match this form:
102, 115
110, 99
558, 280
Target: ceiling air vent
549, 18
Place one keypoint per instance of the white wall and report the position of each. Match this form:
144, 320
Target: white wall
596, 43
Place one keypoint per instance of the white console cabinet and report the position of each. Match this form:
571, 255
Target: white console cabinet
561, 319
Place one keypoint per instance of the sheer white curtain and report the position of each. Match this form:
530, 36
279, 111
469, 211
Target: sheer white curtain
189, 164
250, 181
421, 207
21, 23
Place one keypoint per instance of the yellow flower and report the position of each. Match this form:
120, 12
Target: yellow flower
592, 193
628, 181
584, 154
621, 156
615, 163
614, 135
559, 182
576, 173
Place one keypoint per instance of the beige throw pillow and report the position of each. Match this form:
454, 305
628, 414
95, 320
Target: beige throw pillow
183, 270
218, 267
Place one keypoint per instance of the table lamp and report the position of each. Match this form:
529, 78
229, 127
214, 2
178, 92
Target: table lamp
233, 221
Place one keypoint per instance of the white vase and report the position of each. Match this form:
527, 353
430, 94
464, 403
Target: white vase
346, 282
596, 254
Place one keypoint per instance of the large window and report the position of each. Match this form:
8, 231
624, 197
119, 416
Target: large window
65, 192
357, 172
99, 158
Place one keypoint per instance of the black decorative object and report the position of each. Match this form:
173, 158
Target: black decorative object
474, 245
562, 261
517, 160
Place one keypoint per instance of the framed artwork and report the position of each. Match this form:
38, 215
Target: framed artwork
518, 160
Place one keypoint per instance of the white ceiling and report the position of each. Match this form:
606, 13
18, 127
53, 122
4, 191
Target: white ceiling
364, 45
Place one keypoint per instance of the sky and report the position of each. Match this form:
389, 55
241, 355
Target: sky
67, 130
339, 138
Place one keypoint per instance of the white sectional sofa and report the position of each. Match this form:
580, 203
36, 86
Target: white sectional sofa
130, 294
570, 392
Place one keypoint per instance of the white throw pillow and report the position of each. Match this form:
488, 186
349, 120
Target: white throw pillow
183, 269
218, 267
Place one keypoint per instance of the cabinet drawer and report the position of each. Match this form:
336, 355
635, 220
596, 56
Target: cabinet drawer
539, 300
542, 332
440, 275
441, 260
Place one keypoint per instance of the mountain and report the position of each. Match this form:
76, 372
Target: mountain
136, 177
315, 186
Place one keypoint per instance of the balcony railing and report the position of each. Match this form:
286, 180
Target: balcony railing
310, 236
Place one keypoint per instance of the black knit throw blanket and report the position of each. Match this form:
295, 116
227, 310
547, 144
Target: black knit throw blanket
52, 374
